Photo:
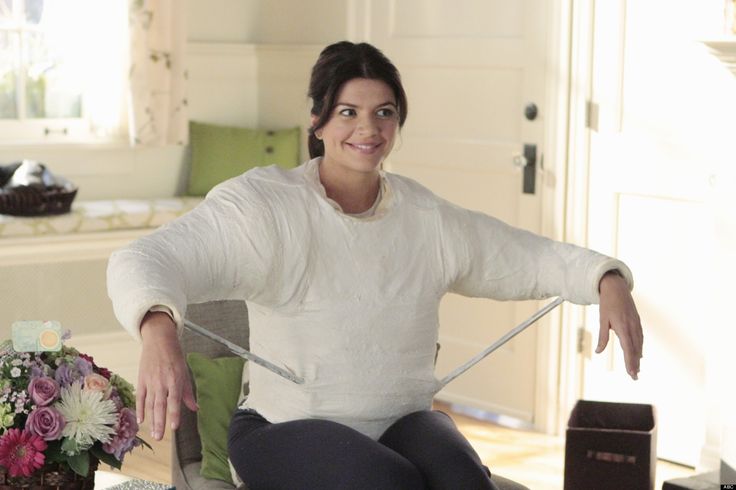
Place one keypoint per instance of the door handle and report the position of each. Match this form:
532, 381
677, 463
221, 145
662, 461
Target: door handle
528, 162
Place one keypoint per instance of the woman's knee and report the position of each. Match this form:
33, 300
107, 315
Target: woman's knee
432, 442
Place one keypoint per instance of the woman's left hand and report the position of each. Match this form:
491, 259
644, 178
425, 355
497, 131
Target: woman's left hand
618, 313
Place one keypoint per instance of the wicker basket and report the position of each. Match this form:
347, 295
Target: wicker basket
54, 476
36, 201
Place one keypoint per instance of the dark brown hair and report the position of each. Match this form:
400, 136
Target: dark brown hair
339, 63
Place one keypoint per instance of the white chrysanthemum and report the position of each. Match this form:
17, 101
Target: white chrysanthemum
88, 417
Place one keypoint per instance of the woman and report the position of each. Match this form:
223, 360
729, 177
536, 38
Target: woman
343, 267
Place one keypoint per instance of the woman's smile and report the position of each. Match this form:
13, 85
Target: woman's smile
365, 148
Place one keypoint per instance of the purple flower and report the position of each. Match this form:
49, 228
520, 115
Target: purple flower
43, 390
64, 374
115, 397
45, 422
83, 366
124, 439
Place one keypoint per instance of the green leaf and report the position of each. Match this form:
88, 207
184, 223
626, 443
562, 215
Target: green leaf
69, 447
79, 463
106, 458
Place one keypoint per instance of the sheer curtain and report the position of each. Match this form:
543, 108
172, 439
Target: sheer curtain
157, 102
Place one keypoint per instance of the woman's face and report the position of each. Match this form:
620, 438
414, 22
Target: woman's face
361, 130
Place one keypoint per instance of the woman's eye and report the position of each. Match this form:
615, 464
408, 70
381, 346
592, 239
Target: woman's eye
385, 112
347, 112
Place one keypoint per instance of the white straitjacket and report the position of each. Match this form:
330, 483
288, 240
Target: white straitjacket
348, 303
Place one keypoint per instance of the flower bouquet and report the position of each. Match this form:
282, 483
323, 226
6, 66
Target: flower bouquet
60, 415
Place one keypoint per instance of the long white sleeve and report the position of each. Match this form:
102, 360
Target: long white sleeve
488, 258
223, 248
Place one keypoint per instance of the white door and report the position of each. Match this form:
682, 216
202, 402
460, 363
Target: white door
653, 144
470, 68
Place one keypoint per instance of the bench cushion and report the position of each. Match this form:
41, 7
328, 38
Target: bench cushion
102, 215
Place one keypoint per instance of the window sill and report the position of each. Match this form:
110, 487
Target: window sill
102, 144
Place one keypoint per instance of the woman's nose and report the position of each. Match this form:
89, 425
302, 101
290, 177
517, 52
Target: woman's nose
367, 125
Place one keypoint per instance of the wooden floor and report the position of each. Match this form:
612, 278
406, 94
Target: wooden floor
534, 459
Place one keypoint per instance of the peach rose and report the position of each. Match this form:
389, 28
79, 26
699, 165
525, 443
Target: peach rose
95, 382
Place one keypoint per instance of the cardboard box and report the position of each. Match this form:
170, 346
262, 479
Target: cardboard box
611, 446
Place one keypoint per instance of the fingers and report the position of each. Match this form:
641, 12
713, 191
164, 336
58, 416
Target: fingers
174, 402
631, 355
188, 397
636, 346
630, 337
159, 416
140, 402
602, 335
162, 401
159, 395
618, 313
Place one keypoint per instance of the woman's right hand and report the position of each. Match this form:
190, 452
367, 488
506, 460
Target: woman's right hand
163, 378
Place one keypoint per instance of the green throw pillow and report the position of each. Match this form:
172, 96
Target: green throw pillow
218, 387
222, 152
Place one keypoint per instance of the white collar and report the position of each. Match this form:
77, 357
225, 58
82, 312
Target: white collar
380, 207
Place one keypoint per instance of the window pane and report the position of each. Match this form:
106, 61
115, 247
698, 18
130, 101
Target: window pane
8, 76
6, 12
52, 89
34, 9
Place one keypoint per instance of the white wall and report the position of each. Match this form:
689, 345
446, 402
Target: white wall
267, 21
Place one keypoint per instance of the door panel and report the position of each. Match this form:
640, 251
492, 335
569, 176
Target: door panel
468, 74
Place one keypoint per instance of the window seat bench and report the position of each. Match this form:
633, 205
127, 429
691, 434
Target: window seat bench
99, 216
92, 230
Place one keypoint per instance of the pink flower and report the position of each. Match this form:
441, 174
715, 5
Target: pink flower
21, 452
45, 422
43, 390
124, 439
95, 382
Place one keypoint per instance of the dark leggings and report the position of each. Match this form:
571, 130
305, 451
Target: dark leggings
422, 450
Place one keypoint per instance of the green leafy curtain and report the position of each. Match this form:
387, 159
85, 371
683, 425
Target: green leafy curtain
157, 108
